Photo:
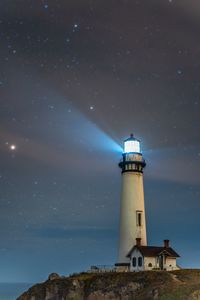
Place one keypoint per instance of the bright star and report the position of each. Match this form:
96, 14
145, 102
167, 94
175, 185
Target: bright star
12, 147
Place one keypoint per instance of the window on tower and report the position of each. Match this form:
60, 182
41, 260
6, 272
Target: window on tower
139, 218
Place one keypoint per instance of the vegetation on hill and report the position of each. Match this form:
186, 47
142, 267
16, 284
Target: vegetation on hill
149, 285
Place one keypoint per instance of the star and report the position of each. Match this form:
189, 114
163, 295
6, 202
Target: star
179, 72
75, 27
12, 147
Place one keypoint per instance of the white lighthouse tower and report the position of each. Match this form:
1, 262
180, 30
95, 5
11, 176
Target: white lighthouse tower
132, 210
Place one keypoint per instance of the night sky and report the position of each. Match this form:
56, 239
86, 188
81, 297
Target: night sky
76, 78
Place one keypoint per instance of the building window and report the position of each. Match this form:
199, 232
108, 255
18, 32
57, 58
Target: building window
140, 261
139, 218
134, 261
150, 265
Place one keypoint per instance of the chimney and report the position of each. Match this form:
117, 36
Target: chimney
166, 243
138, 241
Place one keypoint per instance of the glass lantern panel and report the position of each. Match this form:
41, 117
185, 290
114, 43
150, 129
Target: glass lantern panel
132, 146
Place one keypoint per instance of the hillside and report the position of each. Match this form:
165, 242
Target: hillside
151, 285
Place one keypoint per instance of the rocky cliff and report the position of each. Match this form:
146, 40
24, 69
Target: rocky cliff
151, 285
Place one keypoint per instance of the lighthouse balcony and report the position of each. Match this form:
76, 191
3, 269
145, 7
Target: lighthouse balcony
132, 165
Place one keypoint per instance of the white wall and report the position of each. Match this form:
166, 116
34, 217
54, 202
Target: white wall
132, 200
171, 264
150, 260
136, 253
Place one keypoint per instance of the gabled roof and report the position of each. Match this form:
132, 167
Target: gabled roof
151, 251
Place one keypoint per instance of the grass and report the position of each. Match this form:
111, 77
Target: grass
175, 285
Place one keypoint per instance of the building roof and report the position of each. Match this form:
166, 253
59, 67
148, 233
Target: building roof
151, 251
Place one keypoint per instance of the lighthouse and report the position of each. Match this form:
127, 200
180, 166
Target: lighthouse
132, 208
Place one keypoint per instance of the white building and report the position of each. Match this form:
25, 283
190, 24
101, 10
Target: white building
132, 209
131, 255
152, 257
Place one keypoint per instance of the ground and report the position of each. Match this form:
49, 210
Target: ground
149, 285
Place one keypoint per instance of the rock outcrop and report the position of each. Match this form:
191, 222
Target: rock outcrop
149, 285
